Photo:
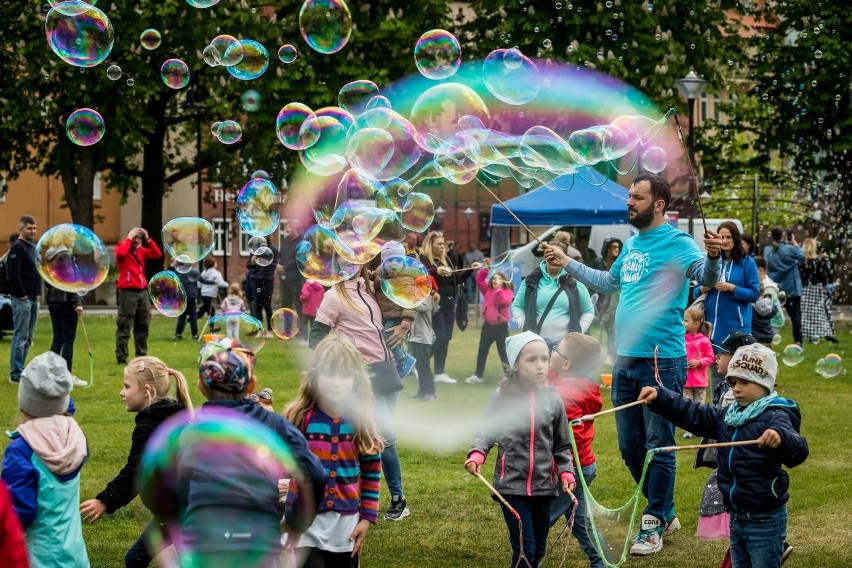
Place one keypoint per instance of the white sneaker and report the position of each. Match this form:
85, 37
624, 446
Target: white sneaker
473, 380
444, 378
672, 527
78, 382
688, 435
650, 537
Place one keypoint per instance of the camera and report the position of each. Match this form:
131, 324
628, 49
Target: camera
789, 234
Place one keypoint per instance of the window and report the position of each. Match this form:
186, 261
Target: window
244, 239
717, 111
703, 113
96, 186
220, 235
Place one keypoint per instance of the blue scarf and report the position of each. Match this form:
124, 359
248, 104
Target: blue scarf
738, 415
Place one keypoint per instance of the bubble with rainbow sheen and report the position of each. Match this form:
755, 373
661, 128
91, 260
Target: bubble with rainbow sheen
458, 158
326, 156
418, 212
654, 159
394, 152
354, 96
241, 326
405, 281
792, 355
285, 323
114, 72
85, 127
435, 111
355, 246
437, 54
72, 258
250, 101
150, 39
188, 236
167, 293
511, 76
264, 256
183, 265
288, 126
830, 366
228, 132
325, 25
79, 33
175, 73
262, 174
231, 450
257, 207
202, 3
317, 257
254, 62
354, 185
287, 53
226, 50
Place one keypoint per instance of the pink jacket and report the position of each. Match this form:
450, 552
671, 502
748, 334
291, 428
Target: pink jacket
698, 347
495, 306
311, 297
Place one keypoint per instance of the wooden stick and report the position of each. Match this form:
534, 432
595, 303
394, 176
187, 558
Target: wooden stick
85, 335
588, 417
501, 202
691, 169
497, 494
699, 446
91, 356
203, 329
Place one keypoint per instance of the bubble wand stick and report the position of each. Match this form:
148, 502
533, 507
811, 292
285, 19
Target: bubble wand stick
516, 515
568, 528
91, 357
691, 169
515, 217
701, 446
588, 417
203, 329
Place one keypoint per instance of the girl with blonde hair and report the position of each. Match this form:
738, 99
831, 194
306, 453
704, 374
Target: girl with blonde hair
817, 274
147, 381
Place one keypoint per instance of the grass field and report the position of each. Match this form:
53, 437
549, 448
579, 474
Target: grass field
453, 520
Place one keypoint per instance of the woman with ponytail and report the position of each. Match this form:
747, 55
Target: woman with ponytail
146, 388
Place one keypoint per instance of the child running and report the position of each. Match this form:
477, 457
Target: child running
497, 292
527, 421
232, 308
753, 484
335, 411
699, 356
42, 463
145, 393
571, 362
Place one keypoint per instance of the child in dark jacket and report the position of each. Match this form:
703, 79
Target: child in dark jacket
753, 484
527, 421
498, 295
571, 361
145, 393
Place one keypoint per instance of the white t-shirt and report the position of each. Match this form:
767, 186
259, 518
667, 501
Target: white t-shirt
330, 531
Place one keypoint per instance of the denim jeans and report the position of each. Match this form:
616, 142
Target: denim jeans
399, 351
63, 318
391, 468
757, 539
24, 316
138, 555
640, 430
535, 520
563, 505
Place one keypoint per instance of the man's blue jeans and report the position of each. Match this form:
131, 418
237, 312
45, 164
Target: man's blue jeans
25, 316
391, 468
640, 430
562, 505
757, 539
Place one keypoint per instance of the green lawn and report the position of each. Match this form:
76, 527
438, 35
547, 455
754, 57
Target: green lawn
453, 520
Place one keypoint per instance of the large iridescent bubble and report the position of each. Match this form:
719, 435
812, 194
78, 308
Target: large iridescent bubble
318, 259
511, 76
85, 127
225, 50
191, 237
289, 123
254, 61
418, 212
257, 207
175, 73
396, 150
167, 293
325, 25
79, 33
354, 96
437, 54
435, 113
238, 325
72, 258
326, 155
405, 281
285, 323
150, 39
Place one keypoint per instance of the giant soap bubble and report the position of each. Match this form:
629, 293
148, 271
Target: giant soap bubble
79, 33
325, 25
72, 258
190, 237
257, 207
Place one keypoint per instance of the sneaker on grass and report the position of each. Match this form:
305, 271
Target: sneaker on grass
650, 537
397, 510
444, 378
473, 380
672, 525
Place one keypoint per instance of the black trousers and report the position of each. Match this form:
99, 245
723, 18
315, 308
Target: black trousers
491, 333
425, 378
207, 306
316, 558
63, 317
442, 321
794, 310
191, 312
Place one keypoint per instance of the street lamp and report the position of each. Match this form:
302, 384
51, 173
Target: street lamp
691, 87
439, 217
468, 213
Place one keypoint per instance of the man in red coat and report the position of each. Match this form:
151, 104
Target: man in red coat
133, 310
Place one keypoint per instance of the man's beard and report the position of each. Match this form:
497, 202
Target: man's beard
641, 220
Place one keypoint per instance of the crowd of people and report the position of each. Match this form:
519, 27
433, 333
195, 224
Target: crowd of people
340, 428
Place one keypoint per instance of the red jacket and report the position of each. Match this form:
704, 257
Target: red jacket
311, 297
580, 397
131, 263
496, 301
13, 549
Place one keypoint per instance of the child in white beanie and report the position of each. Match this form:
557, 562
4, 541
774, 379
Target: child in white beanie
392, 275
752, 482
42, 465
527, 417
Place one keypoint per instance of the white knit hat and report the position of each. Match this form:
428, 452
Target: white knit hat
755, 363
392, 249
45, 386
516, 343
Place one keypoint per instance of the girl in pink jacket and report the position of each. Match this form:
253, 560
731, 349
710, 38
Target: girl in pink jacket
310, 298
498, 294
699, 356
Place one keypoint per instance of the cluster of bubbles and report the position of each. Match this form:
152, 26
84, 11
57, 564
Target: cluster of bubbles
325, 25
830, 366
85, 127
227, 131
79, 33
72, 258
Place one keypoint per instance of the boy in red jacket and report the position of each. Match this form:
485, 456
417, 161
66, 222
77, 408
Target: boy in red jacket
571, 361
133, 310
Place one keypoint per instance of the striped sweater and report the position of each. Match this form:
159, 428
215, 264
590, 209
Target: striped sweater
353, 478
